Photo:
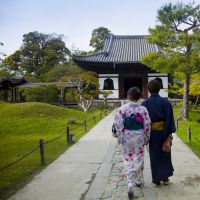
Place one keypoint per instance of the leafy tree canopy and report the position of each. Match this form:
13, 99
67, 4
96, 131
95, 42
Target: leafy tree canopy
38, 54
98, 36
195, 85
4, 70
60, 70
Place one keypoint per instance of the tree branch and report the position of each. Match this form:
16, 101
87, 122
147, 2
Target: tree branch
186, 22
192, 26
176, 26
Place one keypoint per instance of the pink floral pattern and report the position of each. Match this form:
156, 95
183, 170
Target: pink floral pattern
133, 141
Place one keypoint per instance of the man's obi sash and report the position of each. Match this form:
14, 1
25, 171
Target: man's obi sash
157, 126
133, 122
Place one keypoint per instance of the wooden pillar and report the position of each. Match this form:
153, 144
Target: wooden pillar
144, 86
189, 133
20, 96
15, 94
121, 87
85, 126
12, 91
41, 145
4, 94
67, 135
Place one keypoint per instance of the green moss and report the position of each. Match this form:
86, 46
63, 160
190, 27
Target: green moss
22, 125
194, 124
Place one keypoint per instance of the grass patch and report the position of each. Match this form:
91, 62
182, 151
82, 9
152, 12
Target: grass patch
194, 124
21, 127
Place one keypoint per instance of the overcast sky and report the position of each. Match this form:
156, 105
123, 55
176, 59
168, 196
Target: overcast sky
75, 19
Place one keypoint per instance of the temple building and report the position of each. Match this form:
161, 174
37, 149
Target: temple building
118, 65
9, 89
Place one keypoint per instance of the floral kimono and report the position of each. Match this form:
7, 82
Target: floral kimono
133, 127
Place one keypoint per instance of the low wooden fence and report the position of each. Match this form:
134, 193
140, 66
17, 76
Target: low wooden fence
70, 139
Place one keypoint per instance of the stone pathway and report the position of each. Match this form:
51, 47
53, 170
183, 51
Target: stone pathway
185, 184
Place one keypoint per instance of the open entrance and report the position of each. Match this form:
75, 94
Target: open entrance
132, 82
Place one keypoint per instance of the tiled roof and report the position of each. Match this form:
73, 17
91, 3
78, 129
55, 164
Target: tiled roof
120, 49
31, 85
13, 81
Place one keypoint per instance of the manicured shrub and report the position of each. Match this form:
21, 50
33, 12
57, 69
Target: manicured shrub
42, 93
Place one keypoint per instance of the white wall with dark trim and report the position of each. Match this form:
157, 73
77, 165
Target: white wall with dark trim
115, 92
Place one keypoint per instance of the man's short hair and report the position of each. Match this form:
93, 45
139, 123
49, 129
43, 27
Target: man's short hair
154, 86
160, 81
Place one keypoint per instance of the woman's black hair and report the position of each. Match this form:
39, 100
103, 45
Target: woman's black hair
134, 93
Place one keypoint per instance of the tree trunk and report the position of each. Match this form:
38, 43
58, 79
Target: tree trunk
186, 97
197, 99
61, 100
84, 103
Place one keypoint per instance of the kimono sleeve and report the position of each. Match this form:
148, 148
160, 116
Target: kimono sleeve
119, 124
146, 124
169, 118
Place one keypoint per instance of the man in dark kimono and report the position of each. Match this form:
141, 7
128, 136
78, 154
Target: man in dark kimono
162, 119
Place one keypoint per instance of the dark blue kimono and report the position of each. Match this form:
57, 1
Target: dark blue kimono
160, 109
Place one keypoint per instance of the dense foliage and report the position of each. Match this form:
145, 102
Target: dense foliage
42, 93
38, 54
98, 36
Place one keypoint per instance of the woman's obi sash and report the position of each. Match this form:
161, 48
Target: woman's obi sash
133, 122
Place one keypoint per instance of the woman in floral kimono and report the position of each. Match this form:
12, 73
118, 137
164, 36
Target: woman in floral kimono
133, 128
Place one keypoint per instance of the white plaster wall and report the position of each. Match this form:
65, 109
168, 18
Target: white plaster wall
163, 93
108, 75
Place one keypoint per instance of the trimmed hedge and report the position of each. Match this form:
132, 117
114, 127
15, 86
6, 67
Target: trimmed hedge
42, 93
